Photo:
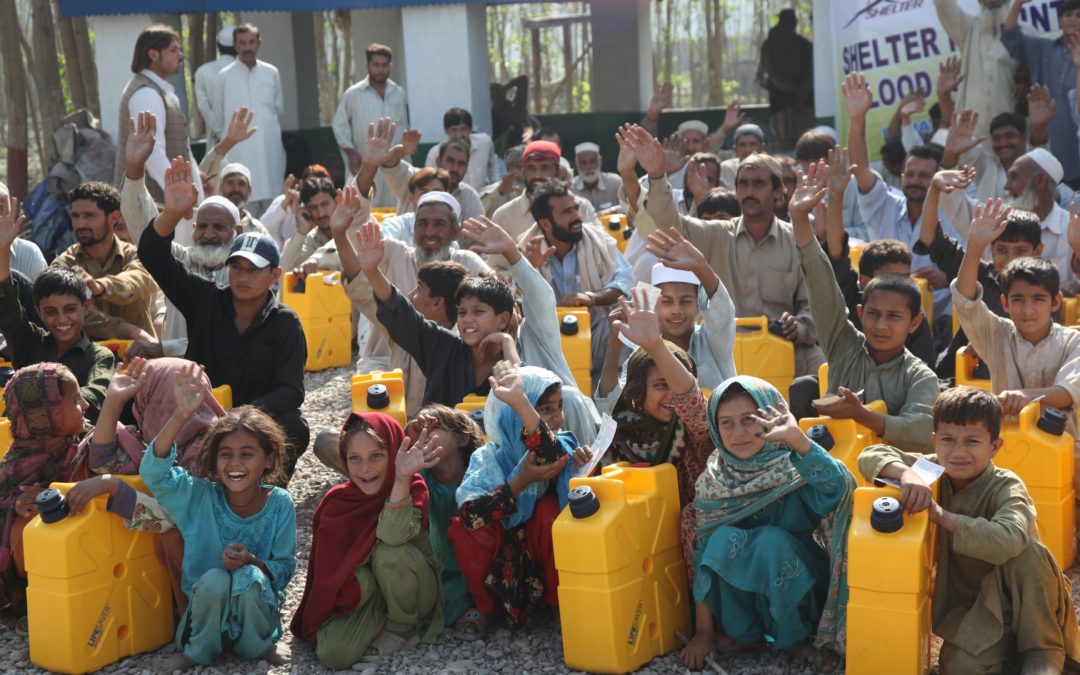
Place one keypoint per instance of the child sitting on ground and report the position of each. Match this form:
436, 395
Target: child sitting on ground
1001, 603
873, 360
62, 301
372, 585
767, 494
235, 594
1029, 356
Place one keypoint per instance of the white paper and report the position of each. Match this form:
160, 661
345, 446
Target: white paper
600, 446
927, 470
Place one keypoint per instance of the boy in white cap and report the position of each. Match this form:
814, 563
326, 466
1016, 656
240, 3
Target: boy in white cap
747, 139
601, 188
205, 92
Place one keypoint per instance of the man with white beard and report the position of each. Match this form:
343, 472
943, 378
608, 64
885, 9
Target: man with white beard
601, 188
1031, 184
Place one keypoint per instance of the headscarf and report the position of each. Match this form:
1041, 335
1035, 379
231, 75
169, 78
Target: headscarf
731, 489
40, 452
641, 438
153, 406
500, 459
343, 534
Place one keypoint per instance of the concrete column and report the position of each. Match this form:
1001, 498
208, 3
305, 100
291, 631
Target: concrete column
307, 82
382, 26
114, 42
450, 71
277, 49
621, 49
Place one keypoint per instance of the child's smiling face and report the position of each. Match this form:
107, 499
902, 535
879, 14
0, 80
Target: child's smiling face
964, 450
241, 461
367, 462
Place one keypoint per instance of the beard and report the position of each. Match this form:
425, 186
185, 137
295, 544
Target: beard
566, 235
210, 256
1026, 200
237, 198
424, 256
590, 176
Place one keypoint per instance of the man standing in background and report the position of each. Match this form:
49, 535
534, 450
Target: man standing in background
205, 91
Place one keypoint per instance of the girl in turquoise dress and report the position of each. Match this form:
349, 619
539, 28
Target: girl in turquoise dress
766, 499
239, 532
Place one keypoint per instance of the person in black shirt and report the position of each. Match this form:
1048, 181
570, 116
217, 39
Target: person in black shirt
241, 334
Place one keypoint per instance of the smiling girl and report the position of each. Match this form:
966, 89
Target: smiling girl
373, 582
239, 532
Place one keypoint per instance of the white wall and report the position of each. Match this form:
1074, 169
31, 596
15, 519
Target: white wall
277, 49
622, 55
382, 26
114, 42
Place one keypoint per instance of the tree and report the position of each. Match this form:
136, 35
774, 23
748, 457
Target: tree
87, 64
50, 95
15, 97
72, 73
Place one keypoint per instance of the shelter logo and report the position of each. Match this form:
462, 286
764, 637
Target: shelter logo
876, 8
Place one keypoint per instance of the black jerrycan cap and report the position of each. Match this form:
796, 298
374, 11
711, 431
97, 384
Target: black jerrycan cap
477, 415
1052, 421
776, 328
627, 233
886, 516
614, 222
819, 433
378, 397
5, 374
569, 325
51, 505
583, 502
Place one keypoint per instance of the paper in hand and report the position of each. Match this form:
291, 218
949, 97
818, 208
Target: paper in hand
600, 446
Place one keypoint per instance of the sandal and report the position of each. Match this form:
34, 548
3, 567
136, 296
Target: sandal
22, 626
473, 625
386, 644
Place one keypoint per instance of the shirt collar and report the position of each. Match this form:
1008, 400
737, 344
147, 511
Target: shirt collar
1057, 221
742, 229
113, 254
157, 79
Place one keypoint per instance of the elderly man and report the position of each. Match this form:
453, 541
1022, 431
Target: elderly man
601, 188
205, 91
483, 163
453, 157
235, 185
747, 139
579, 260
540, 163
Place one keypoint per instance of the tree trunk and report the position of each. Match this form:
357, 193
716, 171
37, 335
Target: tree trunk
50, 96
197, 38
31, 96
15, 97
669, 7
87, 64
326, 87
211, 29
343, 21
72, 72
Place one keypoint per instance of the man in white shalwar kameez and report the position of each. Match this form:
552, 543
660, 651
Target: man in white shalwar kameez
205, 91
257, 85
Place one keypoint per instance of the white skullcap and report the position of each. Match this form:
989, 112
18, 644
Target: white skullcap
662, 274
236, 167
440, 197
225, 36
1047, 162
828, 131
218, 200
586, 147
695, 125
939, 137
750, 129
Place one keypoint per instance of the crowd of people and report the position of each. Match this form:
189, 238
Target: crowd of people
444, 525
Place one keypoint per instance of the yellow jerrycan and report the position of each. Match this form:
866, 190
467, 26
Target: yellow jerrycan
622, 580
844, 439
223, 395
762, 354
319, 300
970, 371
96, 592
617, 225
575, 331
473, 406
5, 436
380, 392
1039, 450
118, 347
927, 300
891, 559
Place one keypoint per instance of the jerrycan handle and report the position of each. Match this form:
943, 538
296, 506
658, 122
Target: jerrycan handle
760, 323
1029, 417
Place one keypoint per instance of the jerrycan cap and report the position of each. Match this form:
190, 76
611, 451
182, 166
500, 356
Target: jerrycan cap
583, 502
477, 415
569, 325
1052, 421
614, 222
5, 374
885, 516
819, 433
378, 397
627, 233
51, 505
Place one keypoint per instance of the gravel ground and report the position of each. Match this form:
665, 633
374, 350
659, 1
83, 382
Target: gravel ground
535, 649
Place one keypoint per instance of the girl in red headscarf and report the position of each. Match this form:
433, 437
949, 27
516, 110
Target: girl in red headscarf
373, 581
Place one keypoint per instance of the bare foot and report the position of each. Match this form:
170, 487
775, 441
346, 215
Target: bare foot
727, 645
279, 654
699, 648
176, 663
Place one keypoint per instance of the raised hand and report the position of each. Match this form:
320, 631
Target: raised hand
410, 141
11, 221
488, 238
916, 105
838, 176
961, 137
649, 152
627, 161
291, 190
370, 248
240, 128
810, 190
949, 77
1041, 106
858, 98
661, 99
412, 457
189, 389
180, 192
988, 223
506, 383
948, 180
780, 426
733, 116
379, 149
672, 249
697, 180
140, 142
348, 205
642, 326
125, 385
674, 152
535, 252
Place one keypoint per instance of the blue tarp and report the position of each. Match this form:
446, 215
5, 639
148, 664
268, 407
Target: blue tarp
70, 8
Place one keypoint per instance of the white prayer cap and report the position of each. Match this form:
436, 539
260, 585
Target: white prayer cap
828, 131
939, 137
662, 274
750, 129
236, 167
440, 197
218, 200
695, 125
586, 147
225, 36
1047, 162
